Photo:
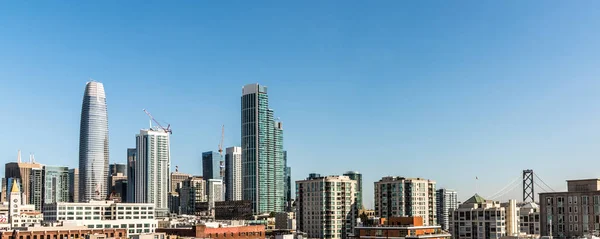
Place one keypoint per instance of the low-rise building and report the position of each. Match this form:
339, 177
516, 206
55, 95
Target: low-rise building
401, 227
285, 220
39, 232
204, 231
478, 218
529, 219
135, 217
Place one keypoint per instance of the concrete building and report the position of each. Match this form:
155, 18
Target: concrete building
174, 203
55, 184
227, 210
354, 175
39, 232
406, 197
233, 173
512, 217
115, 170
215, 193
22, 171
93, 144
178, 177
529, 219
573, 213
401, 227
192, 192
262, 148
74, 185
447, 200
135, 217
478, 218
285, 221
153, 160
326, 206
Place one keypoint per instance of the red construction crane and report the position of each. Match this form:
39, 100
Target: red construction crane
167, 130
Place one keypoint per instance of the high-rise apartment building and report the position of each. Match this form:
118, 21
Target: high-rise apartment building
55, 184
74, 185
191, 193
571, 214
233, 173
478, 218
262, 152
406, 197
36, 188
447, 200
131, 158
93, 144
22, 171
326, 206
358, 178
152, 165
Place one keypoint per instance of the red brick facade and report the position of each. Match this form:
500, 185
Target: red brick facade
58, 233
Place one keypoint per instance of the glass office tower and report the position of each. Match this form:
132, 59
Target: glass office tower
93, 144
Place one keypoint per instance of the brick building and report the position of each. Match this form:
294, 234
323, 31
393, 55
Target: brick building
401, 227
202, 231
62, 232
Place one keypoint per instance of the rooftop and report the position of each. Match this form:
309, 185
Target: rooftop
475, 199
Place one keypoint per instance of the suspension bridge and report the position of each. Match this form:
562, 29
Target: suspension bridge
528, 181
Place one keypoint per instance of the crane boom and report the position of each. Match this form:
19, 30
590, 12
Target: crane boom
221, 143
167, 130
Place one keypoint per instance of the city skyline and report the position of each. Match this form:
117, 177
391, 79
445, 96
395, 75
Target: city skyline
509, 88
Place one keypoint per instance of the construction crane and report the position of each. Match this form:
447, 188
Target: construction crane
222, 136
221, 163
167, 130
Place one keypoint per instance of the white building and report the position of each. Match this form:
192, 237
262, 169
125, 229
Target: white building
152, 163
406, 197
326, 206
135, 217
529, 219
215, 194
233, 173
478, 218
21, 215
447, 200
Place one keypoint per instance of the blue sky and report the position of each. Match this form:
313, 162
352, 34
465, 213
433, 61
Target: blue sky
448, 91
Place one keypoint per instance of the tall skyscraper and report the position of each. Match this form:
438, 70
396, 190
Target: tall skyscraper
215, 192
36, 188
93, 144
417, 198
113, 170
131, 157
152, 165
262, 152
447, 200
74, 185
326, 206
56, 184
358, 177
233, 173
211, 165
22, 171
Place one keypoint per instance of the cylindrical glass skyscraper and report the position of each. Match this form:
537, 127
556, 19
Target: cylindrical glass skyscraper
93, 144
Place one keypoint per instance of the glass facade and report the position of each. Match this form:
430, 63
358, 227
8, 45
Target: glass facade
262, 152
93, 144
56, 184
358, 177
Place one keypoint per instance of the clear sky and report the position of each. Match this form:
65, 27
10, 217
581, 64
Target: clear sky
445, 90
